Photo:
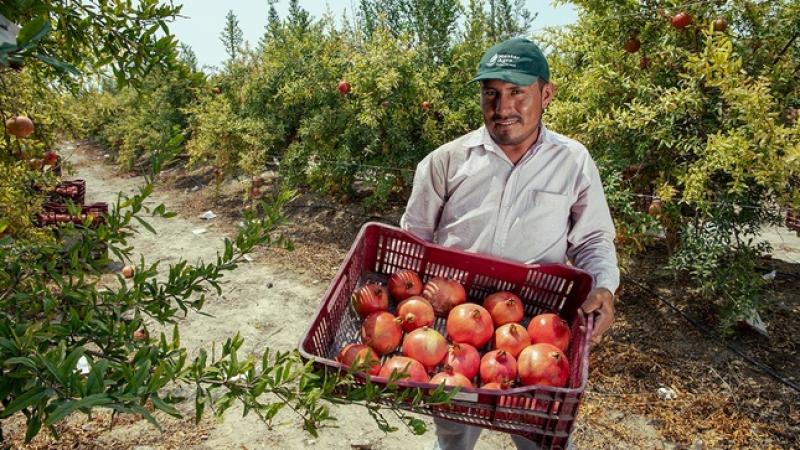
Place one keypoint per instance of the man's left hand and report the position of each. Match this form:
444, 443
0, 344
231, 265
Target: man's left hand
600, 300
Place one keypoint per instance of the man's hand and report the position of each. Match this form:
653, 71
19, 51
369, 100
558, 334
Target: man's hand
600, 300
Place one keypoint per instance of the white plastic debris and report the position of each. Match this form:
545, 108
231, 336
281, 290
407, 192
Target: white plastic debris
106, 155
666, 393
83, 366
769, 276
194, 188
208, 215
751, 319
248, 258
199, 231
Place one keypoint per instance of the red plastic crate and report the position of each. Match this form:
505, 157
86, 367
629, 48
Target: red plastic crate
74, 190
55, 213
545, 415
793, 220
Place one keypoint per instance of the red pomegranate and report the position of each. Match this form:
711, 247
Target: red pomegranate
451, 378
498, 366
551, 329
404, 284
370, 298
444, 294
382, 331
426, 345
511, 337
403, 364
464, 359
543, 364
497, 386
360, 354
19, 126
470, 323
681, 20
416, 312
504, 307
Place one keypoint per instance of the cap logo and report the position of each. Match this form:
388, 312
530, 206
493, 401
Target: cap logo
502, 60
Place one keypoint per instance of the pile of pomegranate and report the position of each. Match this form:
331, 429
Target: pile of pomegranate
484, 343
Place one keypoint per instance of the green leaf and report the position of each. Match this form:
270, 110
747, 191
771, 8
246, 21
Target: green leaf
164, 406
25, 400
70, 406
21, 360
58, 64
33, 31
145, 224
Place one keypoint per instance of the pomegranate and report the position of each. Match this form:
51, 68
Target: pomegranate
550, 329
416, 312
504, 307
498, 366
361, 355
464, 359
141, 335
127, 271
681, 20
344, 87
511, 337
644, 62
216, 90
451, 378
543, 364
426, 345
19, 126
497, 386
370, 298
720, 24
470, 323
381, 330
50, 158
403, 284
426, 106
444, 294
655, 208
403, 364
632, 45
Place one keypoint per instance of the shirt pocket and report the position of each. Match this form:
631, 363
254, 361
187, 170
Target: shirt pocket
546, 219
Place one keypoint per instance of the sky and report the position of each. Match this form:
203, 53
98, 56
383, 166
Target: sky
204, 20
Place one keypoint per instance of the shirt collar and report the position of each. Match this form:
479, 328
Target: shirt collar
481, 137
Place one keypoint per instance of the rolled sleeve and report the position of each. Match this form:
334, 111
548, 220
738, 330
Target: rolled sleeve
427, 199
591, 236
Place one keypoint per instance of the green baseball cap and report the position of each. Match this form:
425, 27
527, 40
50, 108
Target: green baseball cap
517, 61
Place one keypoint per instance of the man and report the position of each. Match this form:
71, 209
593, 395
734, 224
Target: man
516, 190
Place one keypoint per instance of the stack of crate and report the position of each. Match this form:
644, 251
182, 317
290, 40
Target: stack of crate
56, 212
793, 221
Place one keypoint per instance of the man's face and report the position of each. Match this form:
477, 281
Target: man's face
512, 113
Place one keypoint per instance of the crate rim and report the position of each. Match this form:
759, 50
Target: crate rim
587, 319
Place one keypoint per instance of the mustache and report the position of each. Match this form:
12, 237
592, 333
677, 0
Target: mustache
497, 117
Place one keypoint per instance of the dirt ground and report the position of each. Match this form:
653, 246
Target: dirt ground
720, 400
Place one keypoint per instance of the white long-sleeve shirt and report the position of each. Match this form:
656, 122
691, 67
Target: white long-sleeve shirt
548, 208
